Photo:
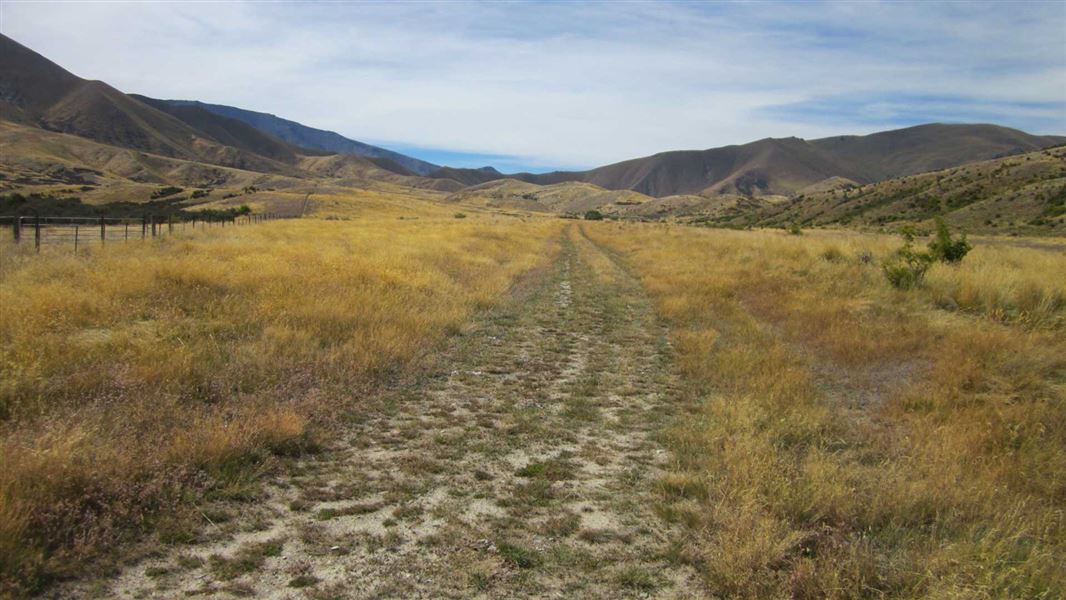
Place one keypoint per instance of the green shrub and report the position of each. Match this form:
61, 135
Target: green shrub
945, 249
166, 191
907, 268
460, 215
795, 229
593, 215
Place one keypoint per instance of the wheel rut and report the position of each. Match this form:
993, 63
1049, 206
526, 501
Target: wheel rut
523, 464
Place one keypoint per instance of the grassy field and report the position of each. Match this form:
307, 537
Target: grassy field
850, 440
833, 437
140, 378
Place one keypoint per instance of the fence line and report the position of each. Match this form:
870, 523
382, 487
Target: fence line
83, 230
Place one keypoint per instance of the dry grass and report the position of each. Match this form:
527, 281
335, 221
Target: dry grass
850, 440
136, 379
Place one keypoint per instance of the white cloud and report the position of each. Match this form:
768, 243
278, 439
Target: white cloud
565, 84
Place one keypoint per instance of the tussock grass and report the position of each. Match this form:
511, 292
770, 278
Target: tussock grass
852, 440
135, 379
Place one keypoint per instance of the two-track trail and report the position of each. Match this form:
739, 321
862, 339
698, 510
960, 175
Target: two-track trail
523, 465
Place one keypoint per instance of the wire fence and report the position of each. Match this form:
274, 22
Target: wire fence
78, 232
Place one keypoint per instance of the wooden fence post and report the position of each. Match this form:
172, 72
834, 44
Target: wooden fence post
37, 233
75, 238
103, 232
18, 229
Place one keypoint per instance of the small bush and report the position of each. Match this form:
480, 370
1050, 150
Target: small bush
907, 268
945, 249
795, 229
519, 557
460, 215
166, 191
832, 254
593, 215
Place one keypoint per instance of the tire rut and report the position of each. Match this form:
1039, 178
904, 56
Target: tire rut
525, 465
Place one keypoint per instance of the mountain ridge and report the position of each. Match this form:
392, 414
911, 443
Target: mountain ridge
309, 137
783, 166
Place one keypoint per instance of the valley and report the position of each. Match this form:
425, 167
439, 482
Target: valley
830, 367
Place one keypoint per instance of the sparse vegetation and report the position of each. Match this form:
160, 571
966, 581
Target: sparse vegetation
827, 438
845, 439
593, 215
134, 382
165, 191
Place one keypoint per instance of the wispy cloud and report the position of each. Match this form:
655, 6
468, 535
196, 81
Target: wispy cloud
570, 85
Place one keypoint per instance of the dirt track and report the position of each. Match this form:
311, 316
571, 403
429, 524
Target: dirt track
522, 465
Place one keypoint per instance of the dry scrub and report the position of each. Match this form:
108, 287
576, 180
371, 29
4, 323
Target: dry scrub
136, 379
850, 440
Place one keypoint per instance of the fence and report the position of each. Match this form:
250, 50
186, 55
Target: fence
79, 231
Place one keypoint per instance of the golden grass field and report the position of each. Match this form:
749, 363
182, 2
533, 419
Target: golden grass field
849, 440
834, 438
136, 378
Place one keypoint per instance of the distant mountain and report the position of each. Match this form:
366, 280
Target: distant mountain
784, 166
144, 140
467, 176
35, 91
309, 137
230, 132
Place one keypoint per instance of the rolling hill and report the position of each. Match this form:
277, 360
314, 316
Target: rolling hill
35, 91
784, 166
1023, 193
307, 137
60, 130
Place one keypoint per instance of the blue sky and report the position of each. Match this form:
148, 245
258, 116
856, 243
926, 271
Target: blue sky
537, 86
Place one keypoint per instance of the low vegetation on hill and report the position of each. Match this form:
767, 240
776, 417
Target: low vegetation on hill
1023, 194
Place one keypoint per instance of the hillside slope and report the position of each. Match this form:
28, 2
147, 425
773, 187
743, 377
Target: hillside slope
1018, 194
35, 91
785, 166
562, 198
308, 137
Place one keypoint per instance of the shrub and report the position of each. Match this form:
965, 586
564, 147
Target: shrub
945, 249
908, 267
593, 215
832, 254
460, 215
165, 191
795, 229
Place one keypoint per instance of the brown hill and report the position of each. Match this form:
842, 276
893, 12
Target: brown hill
468, 176
930, 147
1023, 193
231, 132
348, 169
562, 198
785, 166
36, 91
